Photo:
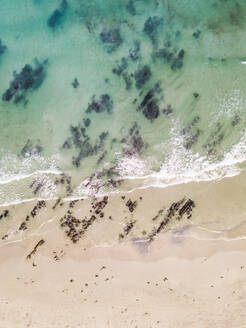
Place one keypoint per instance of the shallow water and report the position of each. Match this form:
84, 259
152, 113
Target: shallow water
174, 109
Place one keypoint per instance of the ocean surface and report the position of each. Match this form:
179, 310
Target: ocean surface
98, 96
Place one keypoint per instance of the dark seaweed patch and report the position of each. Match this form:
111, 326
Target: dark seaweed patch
141, 76
149, 106
165, 54
111, 38
3, 48
191, 139
191, 133
128, 80
175, 62
150, 27
196, 34
81, 141
39, 206
151, 110
129, 226
57, 17
87, 122
101, 157
177, 210
76, 228
40, 243
4, 214
130, 7
104, 103
31, 149
131, 205
181, 54
133, 142
75, 83
28, 79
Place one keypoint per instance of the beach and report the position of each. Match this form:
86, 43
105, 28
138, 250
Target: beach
191, 274
122, 163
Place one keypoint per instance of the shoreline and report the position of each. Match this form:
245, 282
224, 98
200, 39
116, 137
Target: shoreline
216, 207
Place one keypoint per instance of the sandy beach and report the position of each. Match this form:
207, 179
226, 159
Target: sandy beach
117, 274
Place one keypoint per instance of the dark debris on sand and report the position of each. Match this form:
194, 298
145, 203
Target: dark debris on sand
177, 210
40, 243
127, 229
76, 228
131, 205
4, 214
24, 225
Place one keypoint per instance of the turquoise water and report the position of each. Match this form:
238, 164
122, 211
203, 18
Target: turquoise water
102, 95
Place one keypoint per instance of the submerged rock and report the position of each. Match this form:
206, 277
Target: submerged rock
28, 79
105, 103
111, 38
56, 18
141, 76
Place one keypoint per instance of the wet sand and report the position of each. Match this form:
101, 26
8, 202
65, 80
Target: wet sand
189, 274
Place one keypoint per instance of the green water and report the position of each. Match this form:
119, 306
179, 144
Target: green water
193, 51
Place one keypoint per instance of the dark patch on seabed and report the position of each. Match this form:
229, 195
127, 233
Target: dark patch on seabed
28, 79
